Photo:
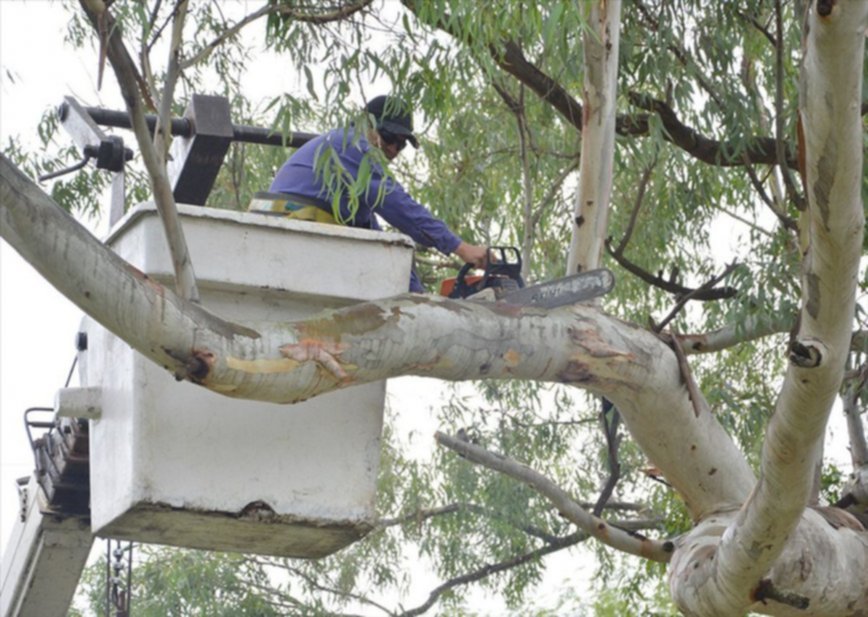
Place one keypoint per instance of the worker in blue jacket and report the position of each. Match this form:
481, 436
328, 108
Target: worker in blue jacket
301, 179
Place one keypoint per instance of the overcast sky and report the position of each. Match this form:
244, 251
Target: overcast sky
37, 324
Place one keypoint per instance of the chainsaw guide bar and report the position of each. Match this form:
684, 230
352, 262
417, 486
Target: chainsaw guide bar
564, 291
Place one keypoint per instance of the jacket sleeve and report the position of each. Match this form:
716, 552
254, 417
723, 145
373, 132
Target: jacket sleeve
406, 214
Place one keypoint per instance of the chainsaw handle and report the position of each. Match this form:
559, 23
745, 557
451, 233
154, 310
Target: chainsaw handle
461, 282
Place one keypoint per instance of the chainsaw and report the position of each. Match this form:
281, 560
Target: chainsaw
502, 276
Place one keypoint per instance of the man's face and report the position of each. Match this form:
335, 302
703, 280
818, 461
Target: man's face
391, 144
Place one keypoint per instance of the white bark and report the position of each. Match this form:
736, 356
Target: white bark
820, 564
591, 213
723, 577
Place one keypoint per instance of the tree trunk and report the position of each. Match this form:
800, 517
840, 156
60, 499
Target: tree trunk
727, 564
591, 213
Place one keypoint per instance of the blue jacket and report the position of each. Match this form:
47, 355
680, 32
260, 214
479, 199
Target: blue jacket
401, 211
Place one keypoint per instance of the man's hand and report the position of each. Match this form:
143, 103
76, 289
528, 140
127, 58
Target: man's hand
472, 254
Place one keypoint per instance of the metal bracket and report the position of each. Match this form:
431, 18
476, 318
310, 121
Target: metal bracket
108, 150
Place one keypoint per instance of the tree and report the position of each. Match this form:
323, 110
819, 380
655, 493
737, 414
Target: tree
758, 539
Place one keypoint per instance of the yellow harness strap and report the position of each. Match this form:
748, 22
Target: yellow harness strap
290, 209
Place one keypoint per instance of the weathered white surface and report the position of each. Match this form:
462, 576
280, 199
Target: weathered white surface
174, 463
43, 561
78, 403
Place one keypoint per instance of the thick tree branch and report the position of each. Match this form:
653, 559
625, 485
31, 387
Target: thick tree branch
725, 154
592, 525
509, 57
719, 578
124, 68
600, 44
750, 328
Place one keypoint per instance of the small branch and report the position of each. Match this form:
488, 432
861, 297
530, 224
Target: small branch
780, 143
227, 34
553, 189
340, 593
762, 29
637, 204
787, 221
750, 328
703, 293
129, 81
686, 374
610, 419
767, 591
341, 12
855, 429
488, 570
628, 542
699, 291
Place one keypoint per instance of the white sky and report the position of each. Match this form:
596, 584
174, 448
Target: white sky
37, 324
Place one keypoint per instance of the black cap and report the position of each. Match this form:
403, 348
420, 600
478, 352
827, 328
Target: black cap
393, 115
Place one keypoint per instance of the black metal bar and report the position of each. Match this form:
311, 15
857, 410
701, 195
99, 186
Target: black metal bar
267, 137
184, 128
121, 120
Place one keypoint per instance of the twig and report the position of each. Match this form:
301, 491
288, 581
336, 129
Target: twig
421, 515
315, 584
703, 293
699, 291
489, 569
625, 541
682, 55
610, 418
760, 27
684, 368
745, 221
637, 204
341, 12
780, 144
855, 429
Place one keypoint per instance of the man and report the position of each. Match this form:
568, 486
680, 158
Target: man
308, 180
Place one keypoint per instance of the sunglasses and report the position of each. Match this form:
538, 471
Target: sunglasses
392, 139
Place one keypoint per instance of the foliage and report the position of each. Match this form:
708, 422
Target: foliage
498, 164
